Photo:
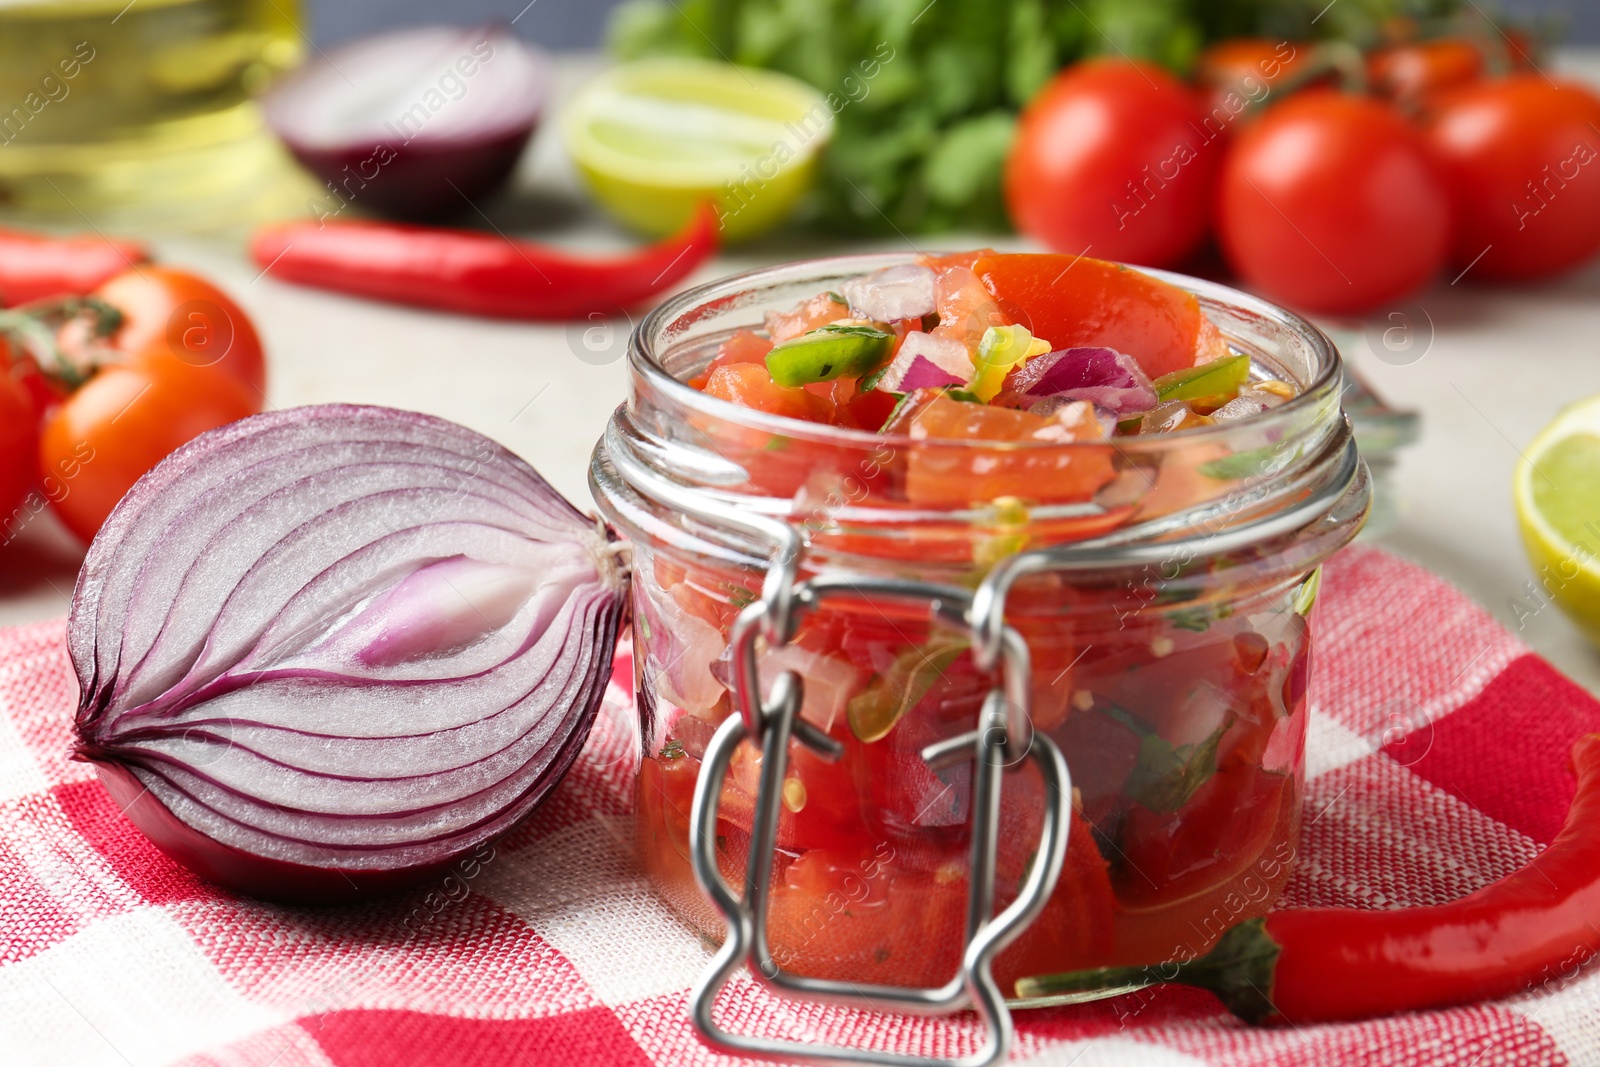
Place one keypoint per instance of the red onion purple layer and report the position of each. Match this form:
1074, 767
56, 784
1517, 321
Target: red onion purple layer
341, 639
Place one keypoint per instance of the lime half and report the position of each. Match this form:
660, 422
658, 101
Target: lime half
1557, 490
655, 138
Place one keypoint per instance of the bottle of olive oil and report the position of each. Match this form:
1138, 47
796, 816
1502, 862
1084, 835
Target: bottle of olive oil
138, 114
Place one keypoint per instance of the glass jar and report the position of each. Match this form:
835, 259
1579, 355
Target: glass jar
1169, 624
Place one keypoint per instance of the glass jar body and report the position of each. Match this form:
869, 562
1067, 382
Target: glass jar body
1183, 726
1169, 639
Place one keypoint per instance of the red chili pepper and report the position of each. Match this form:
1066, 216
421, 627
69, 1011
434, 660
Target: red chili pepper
1307, 965
476, 273
34, 266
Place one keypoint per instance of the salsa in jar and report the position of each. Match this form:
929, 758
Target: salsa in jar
1178, 450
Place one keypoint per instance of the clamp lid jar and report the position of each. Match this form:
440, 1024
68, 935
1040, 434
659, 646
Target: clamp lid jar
908, 832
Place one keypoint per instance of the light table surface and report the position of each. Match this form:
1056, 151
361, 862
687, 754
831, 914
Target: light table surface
1497, 365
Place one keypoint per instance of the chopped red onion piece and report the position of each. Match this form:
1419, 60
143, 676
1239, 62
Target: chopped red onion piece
830, 681
690, 647
328, 651
1103, 376
927, 361
891, 294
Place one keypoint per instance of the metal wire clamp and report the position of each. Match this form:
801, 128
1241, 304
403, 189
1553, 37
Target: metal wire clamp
1002, 736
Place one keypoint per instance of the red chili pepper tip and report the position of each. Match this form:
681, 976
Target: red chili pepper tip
477, 273
1307, 965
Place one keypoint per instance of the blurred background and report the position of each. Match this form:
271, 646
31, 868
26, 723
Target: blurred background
577, 24
1420, 176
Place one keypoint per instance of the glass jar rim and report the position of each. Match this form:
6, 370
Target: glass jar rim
679, 312
674, 461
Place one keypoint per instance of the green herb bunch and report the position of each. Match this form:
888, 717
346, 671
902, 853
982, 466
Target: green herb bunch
919, 146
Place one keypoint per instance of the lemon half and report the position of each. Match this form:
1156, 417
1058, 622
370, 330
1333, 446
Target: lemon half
655, 138
1557, 492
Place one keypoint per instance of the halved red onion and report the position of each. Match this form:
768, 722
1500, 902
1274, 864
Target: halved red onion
412, 123
891, 294
327, 651
1103, 376
927, 361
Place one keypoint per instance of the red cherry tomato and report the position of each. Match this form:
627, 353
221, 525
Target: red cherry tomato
163, 307
1113, 158
1521, 158
124, 421
1413, 71
19, 447
1332, 202
1242, 71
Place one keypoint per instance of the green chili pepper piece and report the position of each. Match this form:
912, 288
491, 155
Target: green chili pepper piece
1305, 598
1220, 377
1002, 349
874, 711
828, 352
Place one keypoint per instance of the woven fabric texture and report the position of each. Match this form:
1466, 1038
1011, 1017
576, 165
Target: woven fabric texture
1437, 763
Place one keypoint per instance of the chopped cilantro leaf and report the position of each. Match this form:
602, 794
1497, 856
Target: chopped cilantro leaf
1167, 776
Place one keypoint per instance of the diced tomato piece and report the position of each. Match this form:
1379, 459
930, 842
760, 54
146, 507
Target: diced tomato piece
955, 259
869, 410
702, 605
749, 385
909, 799
852, 408
745, 346
1075, 929
965, 306
1074, 301
956, 475
665, 798
776, 463
817, 311
835, 392
829, 814
860, 917
1227, 824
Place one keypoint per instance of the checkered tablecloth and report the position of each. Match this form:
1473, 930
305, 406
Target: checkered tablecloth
1437, 758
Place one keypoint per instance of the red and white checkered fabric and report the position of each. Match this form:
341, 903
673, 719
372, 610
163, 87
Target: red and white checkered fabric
1438, 749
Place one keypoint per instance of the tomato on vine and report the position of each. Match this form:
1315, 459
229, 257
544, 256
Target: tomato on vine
1246, 71
1415, 70
1521, 158
1333, 203
19, 445
1112, 159
100, 387
171, 309
124, 421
